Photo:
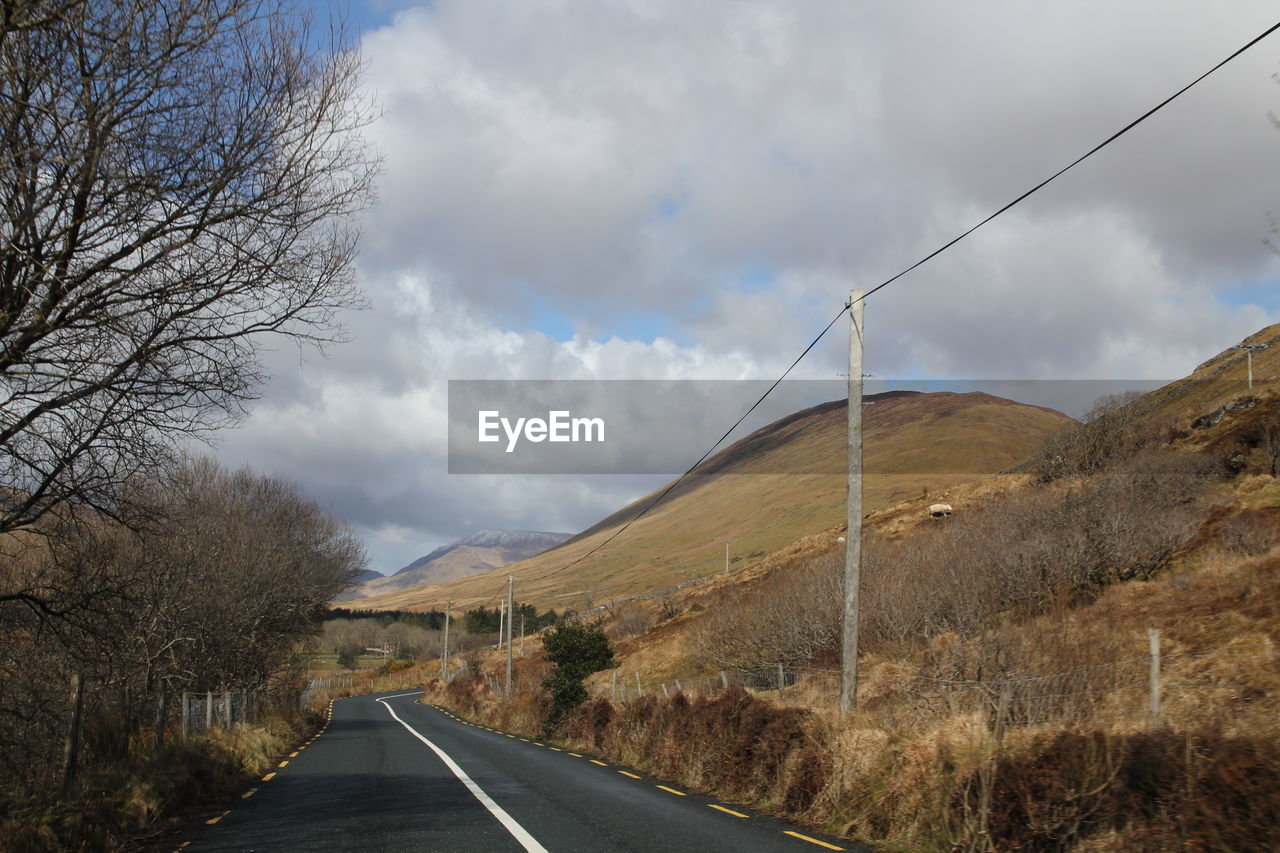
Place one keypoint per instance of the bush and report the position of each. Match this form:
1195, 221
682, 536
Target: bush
1157, 790
577, 650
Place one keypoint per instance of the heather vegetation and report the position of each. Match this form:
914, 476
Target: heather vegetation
1005, 695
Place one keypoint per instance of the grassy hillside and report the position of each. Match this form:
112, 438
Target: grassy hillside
1004, 699
1217, 381
915, 445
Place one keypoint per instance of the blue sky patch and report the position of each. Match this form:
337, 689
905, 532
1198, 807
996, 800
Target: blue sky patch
1262, 293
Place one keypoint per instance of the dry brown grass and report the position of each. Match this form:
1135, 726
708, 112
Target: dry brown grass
909, 767
1028, 731
131, 799
917, 448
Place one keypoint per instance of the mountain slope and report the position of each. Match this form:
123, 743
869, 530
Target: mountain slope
1218, 380
782, 482
480, 552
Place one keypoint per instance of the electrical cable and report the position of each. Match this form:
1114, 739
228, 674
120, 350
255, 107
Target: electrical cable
704, 456
1112, 138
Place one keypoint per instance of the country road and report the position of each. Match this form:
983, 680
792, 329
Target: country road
392, 774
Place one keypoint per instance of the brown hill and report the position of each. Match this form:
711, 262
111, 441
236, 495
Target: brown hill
1219, 381
480, 552
782, 482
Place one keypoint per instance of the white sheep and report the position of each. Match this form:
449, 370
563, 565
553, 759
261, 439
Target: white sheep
940, 510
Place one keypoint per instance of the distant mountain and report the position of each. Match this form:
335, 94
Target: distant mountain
479, 552
781, 482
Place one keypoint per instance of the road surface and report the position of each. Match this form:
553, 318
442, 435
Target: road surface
389, 773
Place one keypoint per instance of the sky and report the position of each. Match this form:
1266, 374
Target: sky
676, 189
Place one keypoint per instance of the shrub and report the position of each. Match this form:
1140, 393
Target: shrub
576, 649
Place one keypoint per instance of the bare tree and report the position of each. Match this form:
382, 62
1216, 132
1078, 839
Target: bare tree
1116, 427
178, 180
214, 589
789, 618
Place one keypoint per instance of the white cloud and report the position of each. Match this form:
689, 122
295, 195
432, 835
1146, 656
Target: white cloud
693, 188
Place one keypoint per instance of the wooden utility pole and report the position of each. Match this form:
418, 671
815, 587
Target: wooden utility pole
444, 660
1153, 651
511, 598
1248, 354
853, 533
726, 553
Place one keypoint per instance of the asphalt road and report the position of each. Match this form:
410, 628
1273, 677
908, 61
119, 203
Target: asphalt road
389, 773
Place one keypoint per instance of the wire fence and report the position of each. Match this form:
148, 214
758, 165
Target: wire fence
1181, 688
201, 711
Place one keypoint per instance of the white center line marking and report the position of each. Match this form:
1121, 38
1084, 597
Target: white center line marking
517, 831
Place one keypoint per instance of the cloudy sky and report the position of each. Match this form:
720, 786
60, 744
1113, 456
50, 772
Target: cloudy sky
683, 189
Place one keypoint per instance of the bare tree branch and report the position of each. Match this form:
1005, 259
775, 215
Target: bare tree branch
178, 179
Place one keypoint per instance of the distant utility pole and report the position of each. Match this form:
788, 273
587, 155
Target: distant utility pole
726, 553
511, 598
444, 660
1248, 352
522, 632
853, 534
501, 627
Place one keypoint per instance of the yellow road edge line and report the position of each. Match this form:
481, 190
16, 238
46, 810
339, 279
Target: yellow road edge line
556, 749
535, 743
726, 811
211, 821
673, 791
269, 776
811, 840
601, 763
625, 773
294, 754
284, 763
575, 755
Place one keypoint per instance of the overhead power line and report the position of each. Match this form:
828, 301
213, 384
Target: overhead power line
704, 456
947, 245
1076, 162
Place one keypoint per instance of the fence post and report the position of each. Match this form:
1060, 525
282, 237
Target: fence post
724, 681
71, 748
1153, 644
208, 711
226, 701
186, 716
613, 686
161, 698
639, 689
678, 687
780, 681
664, 689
